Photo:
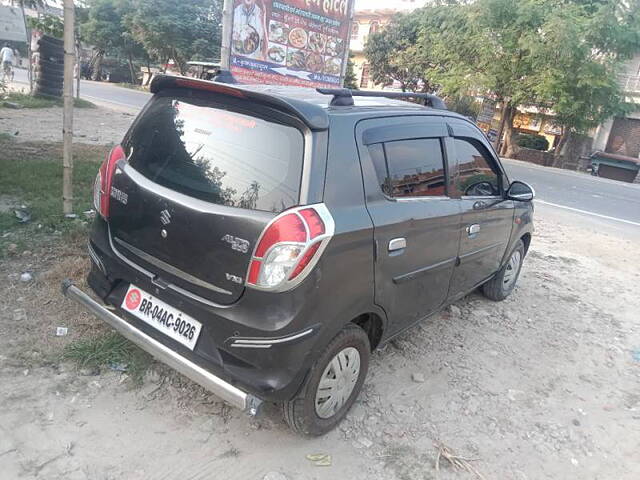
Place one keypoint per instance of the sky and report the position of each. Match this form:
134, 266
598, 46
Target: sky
396, 4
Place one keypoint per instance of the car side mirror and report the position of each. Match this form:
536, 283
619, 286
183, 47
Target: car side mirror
520, 192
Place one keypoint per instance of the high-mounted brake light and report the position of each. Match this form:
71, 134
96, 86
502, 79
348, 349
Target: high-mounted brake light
102, 185
209, 86
289, 247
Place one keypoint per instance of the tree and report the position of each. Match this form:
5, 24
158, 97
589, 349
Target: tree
555, 54
465, 105
105, 30
393, 55
47, 24
350, 80
492, 53
580, 52
177, 30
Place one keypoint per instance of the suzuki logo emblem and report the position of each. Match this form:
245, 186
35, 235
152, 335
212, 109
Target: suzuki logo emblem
165, 217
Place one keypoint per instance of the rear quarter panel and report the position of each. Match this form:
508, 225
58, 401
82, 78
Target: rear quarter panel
348, 262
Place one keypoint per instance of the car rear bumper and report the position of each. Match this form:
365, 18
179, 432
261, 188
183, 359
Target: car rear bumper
228, 392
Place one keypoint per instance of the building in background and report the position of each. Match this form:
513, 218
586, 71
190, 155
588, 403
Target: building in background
618, 139
625, 129
368, 18
49, 7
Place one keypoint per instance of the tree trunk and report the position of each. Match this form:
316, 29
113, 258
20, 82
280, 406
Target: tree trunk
178, 61
134, 80
558, 159
506, 111
508, 148
148, 73
96, 69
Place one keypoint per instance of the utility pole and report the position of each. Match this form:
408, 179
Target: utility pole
67, 118
225, 48
28, 33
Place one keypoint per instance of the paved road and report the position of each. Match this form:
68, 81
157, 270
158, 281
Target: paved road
103, 93
605, 201
582, 194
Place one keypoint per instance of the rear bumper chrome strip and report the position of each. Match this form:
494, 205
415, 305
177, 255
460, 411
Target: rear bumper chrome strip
214, 384
268, 342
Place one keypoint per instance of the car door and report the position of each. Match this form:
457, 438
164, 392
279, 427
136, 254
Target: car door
416, 223
480, 184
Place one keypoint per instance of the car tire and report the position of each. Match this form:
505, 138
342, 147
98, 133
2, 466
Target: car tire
51, 80
312, 414
503, 283
51, 67
48, 92
52, 57
54, 50
51, 41
45, 84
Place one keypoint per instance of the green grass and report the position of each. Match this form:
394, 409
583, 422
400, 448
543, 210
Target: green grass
107, 349
32, 101
32, 176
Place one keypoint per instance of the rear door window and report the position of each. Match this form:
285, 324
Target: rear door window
200, 149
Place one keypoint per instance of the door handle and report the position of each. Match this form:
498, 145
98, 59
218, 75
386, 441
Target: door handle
479, 205
397, 244
473, 229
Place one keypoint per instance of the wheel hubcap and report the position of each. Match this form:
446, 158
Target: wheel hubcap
511, 272
337, 382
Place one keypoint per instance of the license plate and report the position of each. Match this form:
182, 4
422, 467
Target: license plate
163, 317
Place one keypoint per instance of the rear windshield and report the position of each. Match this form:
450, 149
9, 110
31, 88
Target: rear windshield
195, 147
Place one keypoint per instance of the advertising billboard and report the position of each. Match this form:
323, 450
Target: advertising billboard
12, 26
290, 42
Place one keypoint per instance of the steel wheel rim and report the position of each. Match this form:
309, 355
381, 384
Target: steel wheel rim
511, 272
337, 382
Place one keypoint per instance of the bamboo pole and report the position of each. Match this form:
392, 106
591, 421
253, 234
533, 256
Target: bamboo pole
67, 119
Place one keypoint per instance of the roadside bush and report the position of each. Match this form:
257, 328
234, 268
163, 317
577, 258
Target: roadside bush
535, 142
464, 105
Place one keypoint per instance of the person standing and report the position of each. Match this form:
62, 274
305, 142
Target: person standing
7, 56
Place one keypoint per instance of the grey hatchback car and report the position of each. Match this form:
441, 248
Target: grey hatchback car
263, 241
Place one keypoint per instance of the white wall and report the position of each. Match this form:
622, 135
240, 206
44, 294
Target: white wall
393, 4
633, 66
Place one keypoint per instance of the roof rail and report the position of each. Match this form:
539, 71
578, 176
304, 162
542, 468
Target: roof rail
343, 97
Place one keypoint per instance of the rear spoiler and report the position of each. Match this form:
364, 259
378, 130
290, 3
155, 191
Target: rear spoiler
312, 115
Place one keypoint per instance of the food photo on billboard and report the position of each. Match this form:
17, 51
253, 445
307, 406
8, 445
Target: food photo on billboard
292, 42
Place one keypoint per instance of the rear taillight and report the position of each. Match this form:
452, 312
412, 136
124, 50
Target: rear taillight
102, 185
289, 247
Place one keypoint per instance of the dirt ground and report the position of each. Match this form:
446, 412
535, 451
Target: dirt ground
543, 385
97, 126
